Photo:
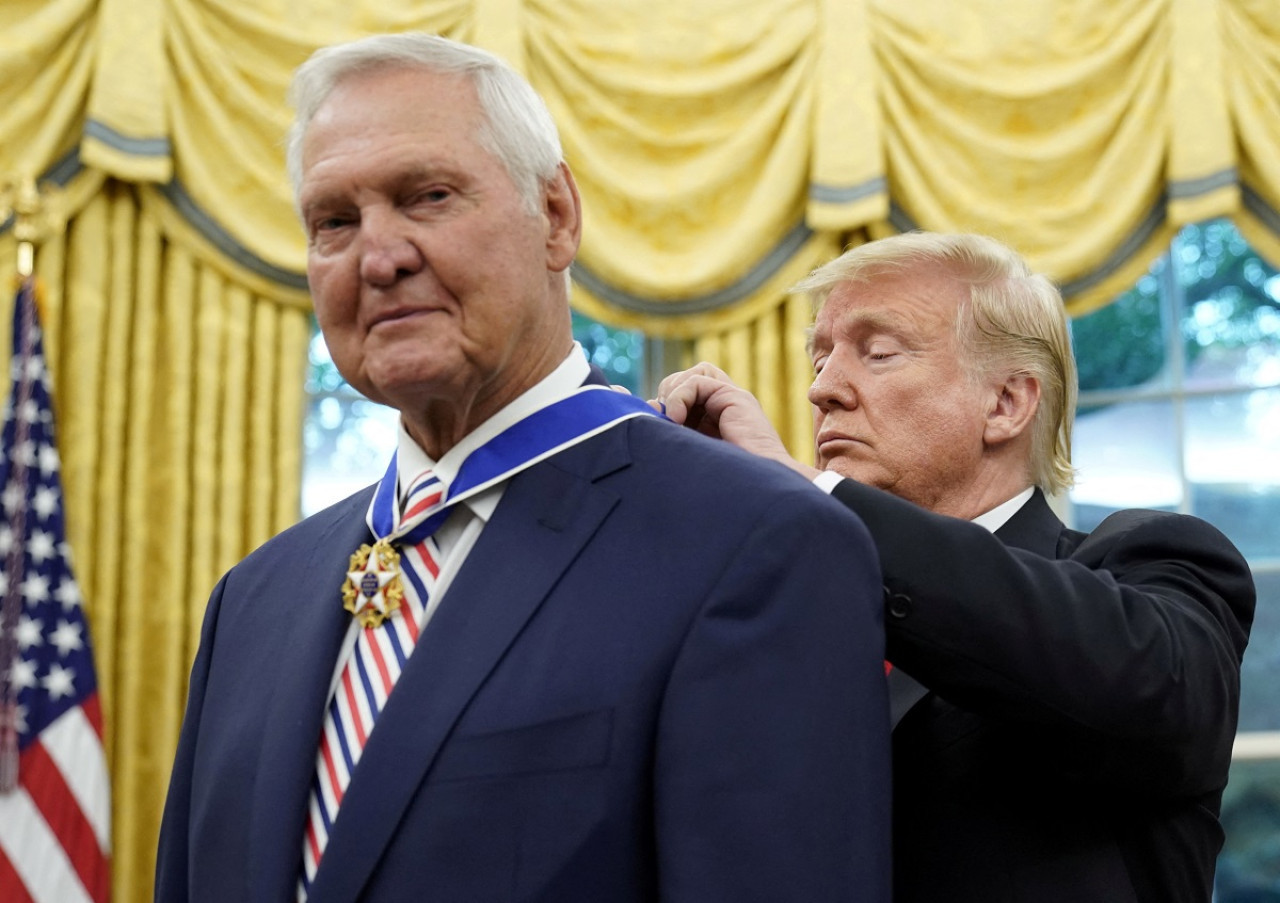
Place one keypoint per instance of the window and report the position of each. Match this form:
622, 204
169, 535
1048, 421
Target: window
1180, 410
347, 439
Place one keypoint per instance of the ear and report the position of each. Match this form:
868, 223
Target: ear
563, 209
1016, 401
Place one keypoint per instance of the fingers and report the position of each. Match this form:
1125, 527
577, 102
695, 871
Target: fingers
683, 396
704, 398
680, 377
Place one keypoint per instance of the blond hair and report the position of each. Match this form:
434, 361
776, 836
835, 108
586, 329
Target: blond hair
1014, 323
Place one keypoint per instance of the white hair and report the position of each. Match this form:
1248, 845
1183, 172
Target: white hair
516, 126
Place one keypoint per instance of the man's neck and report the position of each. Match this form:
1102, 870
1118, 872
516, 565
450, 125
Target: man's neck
441, 421
413, 456
993, 485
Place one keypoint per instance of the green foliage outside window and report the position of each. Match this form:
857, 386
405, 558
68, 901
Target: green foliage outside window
1230, 304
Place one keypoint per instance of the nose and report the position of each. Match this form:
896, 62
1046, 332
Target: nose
832, 388
387, 251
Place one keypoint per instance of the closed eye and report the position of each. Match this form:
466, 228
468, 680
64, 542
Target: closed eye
882, 348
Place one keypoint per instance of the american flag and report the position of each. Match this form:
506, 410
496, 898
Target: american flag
55, 817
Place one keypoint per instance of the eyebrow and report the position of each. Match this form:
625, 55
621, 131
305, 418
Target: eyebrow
398, 178
886, 322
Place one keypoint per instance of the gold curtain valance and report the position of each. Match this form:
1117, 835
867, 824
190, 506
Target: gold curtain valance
718, 143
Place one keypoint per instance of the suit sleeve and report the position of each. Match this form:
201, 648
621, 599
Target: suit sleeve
771, 780
173, 853
1127, 653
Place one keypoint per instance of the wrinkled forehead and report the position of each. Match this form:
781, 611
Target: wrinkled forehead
382, 116
921, 303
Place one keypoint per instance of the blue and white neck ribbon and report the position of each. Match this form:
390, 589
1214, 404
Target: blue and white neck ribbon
545, 432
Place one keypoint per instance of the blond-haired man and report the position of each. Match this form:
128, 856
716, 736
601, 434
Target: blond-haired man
1064, 704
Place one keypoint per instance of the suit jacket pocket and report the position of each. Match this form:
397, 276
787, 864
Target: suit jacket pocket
564, 744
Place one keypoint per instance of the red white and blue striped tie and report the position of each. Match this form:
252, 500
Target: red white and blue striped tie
381, 652
370, 673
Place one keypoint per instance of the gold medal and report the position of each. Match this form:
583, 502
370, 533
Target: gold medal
373, 588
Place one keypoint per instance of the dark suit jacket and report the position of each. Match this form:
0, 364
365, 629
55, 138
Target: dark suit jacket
1084, 691
646, 683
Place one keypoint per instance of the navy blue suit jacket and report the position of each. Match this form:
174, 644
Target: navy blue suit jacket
658, 676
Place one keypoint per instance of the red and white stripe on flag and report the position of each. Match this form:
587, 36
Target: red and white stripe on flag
55, 827
55, 810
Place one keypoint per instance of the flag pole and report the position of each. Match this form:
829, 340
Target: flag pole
21, 200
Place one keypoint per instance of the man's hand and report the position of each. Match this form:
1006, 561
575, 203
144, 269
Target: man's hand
705, 399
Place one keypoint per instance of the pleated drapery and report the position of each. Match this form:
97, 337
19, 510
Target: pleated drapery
179, 395
723, 148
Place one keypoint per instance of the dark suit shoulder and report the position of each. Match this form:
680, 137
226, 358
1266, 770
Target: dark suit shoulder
688, 451
1137, 527
342, 522
696, 470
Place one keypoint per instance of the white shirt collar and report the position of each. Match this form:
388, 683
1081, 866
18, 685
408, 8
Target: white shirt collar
993, 520
561, 382
998, 516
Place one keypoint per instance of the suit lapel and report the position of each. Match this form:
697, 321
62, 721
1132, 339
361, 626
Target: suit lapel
904, 692
1034, 528
547, 515
296, 710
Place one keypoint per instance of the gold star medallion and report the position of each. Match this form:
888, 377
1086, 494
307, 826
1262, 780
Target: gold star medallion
373, 589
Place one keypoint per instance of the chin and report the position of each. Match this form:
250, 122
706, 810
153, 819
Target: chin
412, 375
845, 469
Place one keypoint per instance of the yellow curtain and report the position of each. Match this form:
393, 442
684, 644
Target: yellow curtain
1251, 54
768, 358
690, 129
716, 142
724, 148
179, 400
